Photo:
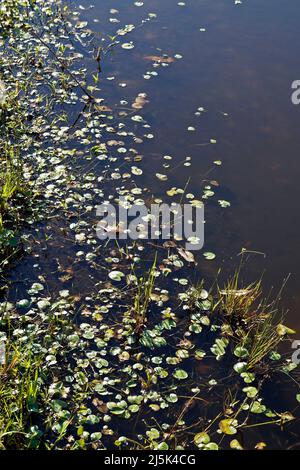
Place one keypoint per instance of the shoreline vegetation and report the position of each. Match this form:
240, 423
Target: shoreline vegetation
187, 366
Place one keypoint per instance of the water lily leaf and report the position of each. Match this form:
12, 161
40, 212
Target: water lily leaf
153, 434
219, 347
251, 392
162, 446
35, 288
116, 275
201, 438
241, 352
234, 444
117, 408
260, 446
127, 45
274, 356
248, 377
43, 304
228, 426
134, 408
96, 436
92, 419
240, 367
172, 398
195, 328
24, 303
209, 255
161, 177
283, 330
224, 203
180, 374
257, 407
200, 354
136, 171
203, 294
211, 446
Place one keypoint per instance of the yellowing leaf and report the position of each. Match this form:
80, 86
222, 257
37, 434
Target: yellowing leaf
283, 330
228, 426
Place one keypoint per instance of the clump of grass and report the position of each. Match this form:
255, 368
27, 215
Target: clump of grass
253, 319
236, 300
263, 339
142, 298
20, 383
264, 335
10, 185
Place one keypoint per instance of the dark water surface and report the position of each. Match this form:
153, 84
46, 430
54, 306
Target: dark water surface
239, 69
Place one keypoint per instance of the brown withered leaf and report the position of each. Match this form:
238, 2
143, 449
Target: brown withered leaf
102, 108
140, 101
100, 405
159, 297
187, 255
169, 244
112, 143
157, 58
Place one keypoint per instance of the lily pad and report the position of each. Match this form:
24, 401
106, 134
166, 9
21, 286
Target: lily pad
180, 374
116, 275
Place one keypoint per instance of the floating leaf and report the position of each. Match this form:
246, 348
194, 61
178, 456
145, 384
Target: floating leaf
209, 255
161, 177
201, 438
127, 45
283, 330
257, 407
218, 348
228, 426
234, 444
211, 446
187, 255
248, 377
260, 446
153, 434
161, 59
241, 352
116, 275
240, 367
251, 392
180, 374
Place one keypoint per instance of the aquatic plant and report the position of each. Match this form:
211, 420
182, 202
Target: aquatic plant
236, 300
20, 384
137, 356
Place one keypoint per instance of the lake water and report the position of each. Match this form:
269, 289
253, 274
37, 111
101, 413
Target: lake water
238, 63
